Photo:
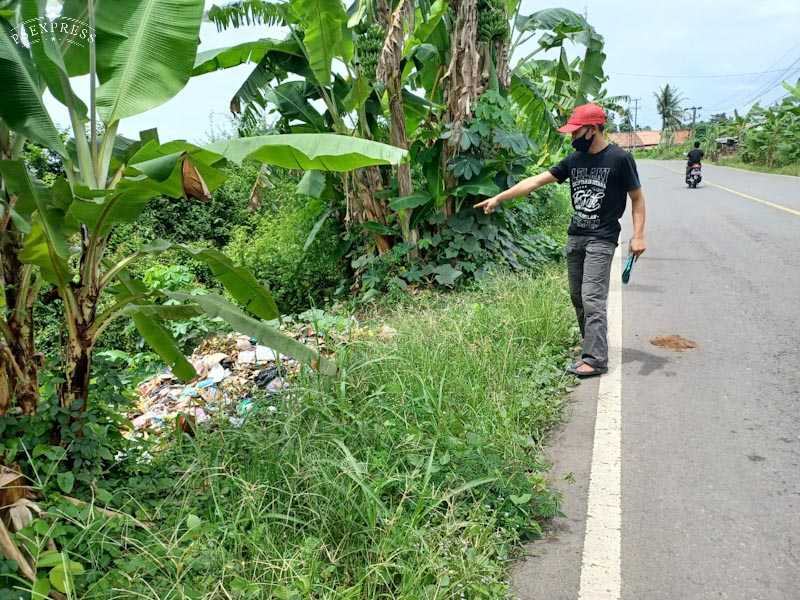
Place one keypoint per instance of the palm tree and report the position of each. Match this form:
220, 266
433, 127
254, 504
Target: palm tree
668, 104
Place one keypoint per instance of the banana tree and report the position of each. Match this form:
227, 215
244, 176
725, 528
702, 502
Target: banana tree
479, 56
142, 52
380, 52
545, 90
318, 35
418, 66
771, 135
552, 88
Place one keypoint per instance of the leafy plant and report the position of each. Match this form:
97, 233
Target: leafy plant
274, 250
58, 234
772, 134
469, 246
393, 88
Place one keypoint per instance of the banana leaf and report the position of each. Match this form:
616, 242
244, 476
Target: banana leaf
21, 105
319, 151
216, 306
145, 53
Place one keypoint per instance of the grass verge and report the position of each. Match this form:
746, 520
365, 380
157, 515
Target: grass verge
734, 162
413, 475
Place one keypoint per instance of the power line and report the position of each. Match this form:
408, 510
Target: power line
765, 88
773, 83
702, 76
736, 100
767, 85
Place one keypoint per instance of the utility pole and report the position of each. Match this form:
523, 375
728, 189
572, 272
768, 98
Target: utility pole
635, 118
694, 110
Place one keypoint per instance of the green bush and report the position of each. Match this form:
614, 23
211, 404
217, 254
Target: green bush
188, 220
468, 245
272, 249
664, 151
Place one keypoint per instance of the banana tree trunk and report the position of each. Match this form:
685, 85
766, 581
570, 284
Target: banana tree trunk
19, 361
501, 48
362, 206
19, 376
463, 82
77, 370
389, 72
404, 186
81, 340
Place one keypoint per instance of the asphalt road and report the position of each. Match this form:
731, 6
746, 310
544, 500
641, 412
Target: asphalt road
710, 437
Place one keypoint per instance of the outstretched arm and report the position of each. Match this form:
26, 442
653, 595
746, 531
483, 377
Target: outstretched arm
523, 188
638, 245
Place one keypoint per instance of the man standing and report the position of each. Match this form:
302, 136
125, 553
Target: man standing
601, 176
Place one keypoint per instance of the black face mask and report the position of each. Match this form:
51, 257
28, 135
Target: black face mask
582, 144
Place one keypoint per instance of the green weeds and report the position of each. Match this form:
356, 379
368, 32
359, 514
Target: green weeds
412, 475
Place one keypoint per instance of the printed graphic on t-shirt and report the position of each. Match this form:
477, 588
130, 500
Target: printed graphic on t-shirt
588, 192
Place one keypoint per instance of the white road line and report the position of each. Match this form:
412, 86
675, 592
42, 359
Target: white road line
791, 211
601, 566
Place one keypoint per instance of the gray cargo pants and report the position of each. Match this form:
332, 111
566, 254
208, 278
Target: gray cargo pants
589, 270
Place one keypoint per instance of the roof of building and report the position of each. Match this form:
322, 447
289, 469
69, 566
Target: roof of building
646, 139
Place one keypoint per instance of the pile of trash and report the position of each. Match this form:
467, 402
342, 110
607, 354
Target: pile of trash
228, 369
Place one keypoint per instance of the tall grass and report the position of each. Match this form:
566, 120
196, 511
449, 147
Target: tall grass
735, 161
412, 475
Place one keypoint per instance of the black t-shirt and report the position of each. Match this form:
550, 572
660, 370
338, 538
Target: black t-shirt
695, 155
599, 184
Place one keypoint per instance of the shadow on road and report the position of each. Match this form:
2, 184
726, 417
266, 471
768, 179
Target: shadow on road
649, 362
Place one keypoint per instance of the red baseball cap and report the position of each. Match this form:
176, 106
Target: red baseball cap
585, 114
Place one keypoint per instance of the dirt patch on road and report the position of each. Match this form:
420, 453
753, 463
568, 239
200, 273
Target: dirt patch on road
673, 342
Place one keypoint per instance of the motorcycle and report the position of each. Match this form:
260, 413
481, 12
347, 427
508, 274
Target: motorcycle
693, 175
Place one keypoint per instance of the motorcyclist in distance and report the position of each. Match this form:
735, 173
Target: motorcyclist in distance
694, 157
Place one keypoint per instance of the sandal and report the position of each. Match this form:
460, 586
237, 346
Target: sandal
573, 368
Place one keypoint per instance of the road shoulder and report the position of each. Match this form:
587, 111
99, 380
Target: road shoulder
550, 568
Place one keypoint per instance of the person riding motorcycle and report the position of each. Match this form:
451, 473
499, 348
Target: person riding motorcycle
694, 157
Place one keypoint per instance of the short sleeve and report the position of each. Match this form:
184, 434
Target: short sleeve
629, 176
561, 170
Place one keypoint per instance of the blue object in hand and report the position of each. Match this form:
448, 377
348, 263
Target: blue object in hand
626, 272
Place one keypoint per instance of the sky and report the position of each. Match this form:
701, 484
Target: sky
715, 53
681, 42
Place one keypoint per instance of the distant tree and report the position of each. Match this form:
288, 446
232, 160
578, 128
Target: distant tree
668, 105
718, 118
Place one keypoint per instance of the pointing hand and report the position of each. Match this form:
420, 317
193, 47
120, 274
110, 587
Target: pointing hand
489, 205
